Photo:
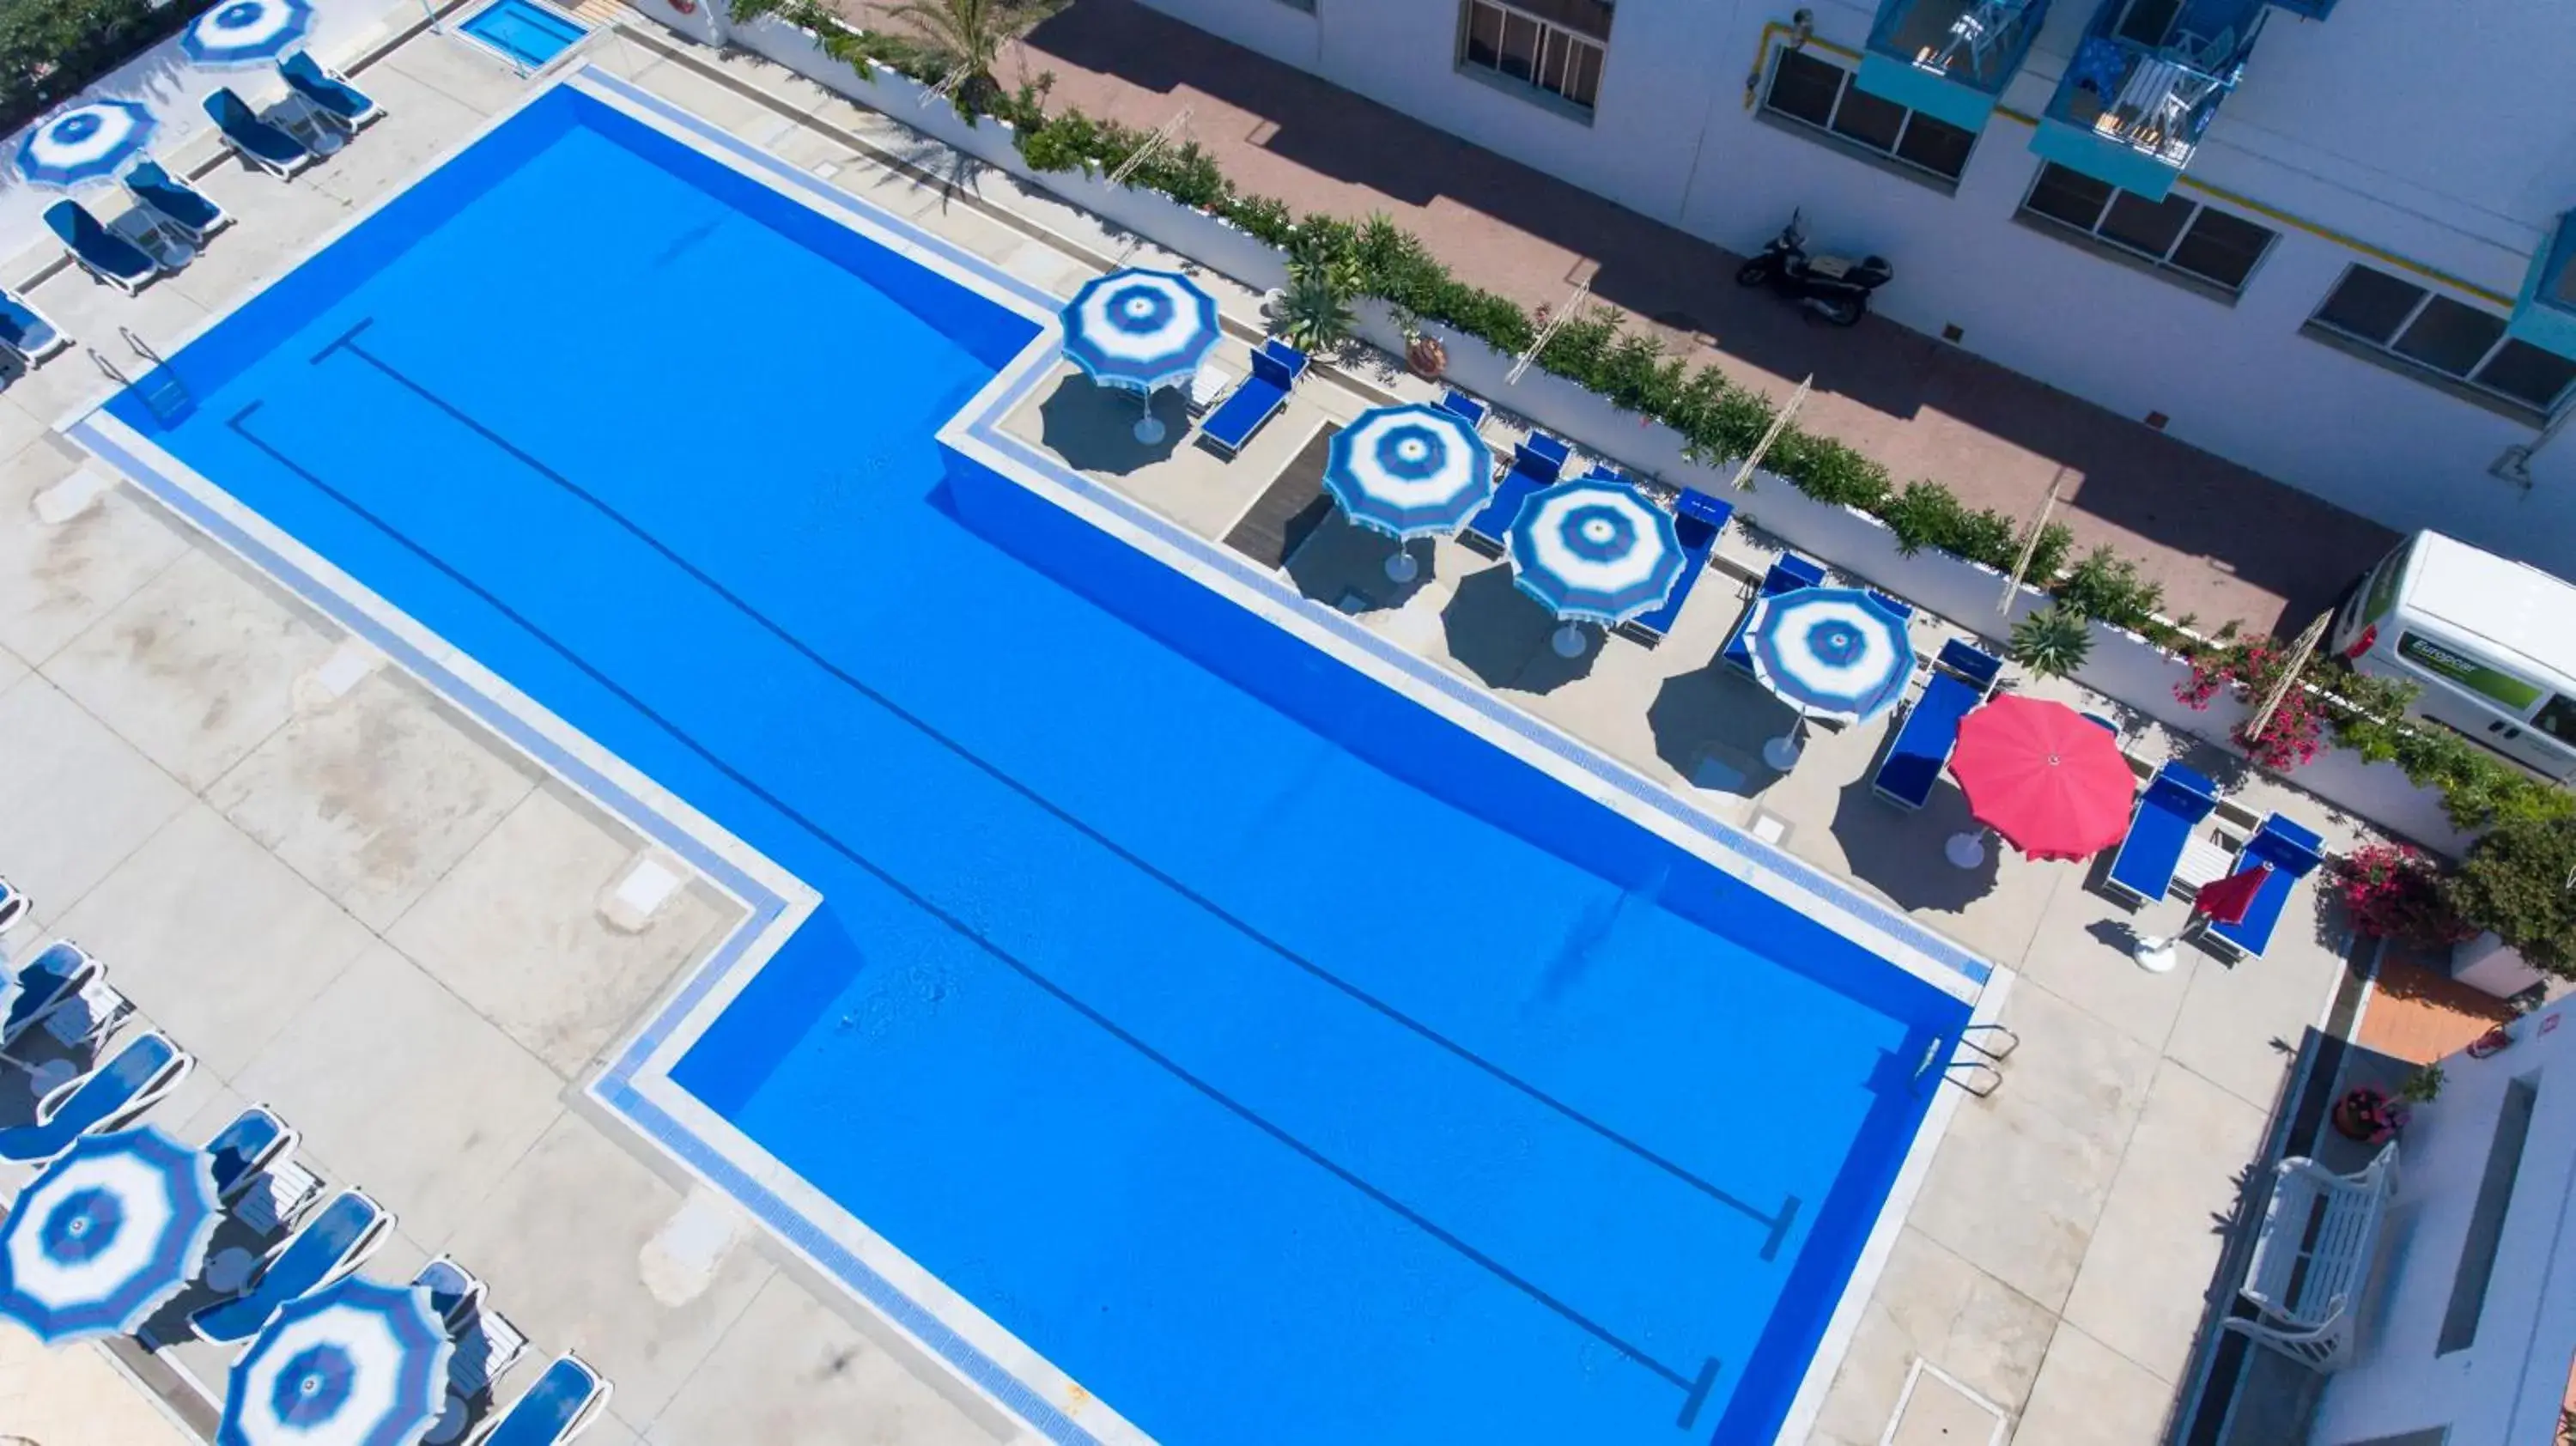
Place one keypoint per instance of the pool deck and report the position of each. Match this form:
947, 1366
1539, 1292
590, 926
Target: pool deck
358, 906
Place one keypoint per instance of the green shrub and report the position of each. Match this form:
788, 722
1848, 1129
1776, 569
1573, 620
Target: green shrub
2516, 882
51, 49
2107, 586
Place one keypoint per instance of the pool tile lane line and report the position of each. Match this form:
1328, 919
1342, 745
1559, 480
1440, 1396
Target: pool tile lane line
736, 958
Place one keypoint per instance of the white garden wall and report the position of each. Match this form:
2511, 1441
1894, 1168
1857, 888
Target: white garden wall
2122, 665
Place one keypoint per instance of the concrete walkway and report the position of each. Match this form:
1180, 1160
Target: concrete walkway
2225, 542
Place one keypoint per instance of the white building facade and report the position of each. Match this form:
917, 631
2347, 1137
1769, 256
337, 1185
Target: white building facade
2468, 1334
2322, 240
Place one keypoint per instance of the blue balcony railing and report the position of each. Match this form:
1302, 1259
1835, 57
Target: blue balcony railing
1949, 59
2545, 313
2145, 83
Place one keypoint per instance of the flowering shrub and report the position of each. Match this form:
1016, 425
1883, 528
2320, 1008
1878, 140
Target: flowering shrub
2394, 892
2296, 731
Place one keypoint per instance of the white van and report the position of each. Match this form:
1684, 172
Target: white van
2492, 644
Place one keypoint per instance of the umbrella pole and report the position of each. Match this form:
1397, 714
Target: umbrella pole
1568, 641
1966, 849
1149, 428
1782, 752
1401, 567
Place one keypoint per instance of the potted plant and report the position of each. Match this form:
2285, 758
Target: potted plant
2052, 642
1424, 355
2366, 1113
2421, 1087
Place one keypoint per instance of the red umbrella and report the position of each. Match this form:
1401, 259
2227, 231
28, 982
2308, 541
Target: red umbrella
2224, 901
2049, 780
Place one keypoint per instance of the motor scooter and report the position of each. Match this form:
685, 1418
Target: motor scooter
1836, 287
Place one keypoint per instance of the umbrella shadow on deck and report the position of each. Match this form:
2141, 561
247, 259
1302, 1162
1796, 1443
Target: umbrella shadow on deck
1710, 725
1899, 853
1341, 564
1093, 428
1500, 634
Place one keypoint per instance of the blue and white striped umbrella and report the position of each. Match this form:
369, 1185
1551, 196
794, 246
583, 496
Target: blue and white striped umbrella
245, 32
1139, 329
1594, 551
88, 142
353, 1364
1412, 471
113, 1228
1835, 651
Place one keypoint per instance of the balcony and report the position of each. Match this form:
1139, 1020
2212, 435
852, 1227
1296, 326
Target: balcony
2144, 84
2545, 313
1949, 59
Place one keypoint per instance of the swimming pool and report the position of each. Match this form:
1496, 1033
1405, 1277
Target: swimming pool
529, 33
1274, 1057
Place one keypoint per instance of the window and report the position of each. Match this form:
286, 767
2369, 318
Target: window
2147, 21
1554, 45
2557, 718
2176, 233
2486, 1217
1821, 94
2442, 335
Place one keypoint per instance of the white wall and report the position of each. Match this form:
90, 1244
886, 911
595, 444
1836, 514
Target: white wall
2506, 1386
2407, 124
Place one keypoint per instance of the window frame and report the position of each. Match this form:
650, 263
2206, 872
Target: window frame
2385, 350
2162, 265
1894, 154
1559, 48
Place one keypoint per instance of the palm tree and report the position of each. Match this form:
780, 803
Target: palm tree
970, 34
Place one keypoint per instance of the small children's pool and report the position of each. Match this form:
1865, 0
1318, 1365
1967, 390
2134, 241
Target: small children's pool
526, 32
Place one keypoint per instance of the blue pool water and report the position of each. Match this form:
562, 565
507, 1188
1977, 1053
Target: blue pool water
1282, 1062
527, 33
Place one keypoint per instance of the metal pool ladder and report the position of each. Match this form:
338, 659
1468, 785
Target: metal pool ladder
1976, 1068
161, 390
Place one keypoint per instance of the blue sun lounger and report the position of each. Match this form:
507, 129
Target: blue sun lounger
272, 148
28, 335
2294, 852
1698, 520
183, 206
328, 91
149, 1067
14, 903
1536, 463
337, 1240
560, 1405
1961, 677
1255, 399
2177, 801
1789, 574
1459, 404
51, 980
101, 252
240, 1151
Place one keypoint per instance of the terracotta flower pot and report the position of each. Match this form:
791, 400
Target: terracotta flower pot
2367, 1115
1427, 357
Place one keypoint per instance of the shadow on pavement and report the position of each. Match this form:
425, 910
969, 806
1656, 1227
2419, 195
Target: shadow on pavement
1899, 852
1093, 428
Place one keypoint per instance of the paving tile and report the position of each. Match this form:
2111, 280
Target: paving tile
1933, 1305
2241, 1024
2020, 1179
74, 1396
57, 578
2091, 1395
405, 1091
215, 938
75, 799
373, 796
2148, 1278
2080, 950
458, 68
195, 669
562, 1236
515, 930
791, 1370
